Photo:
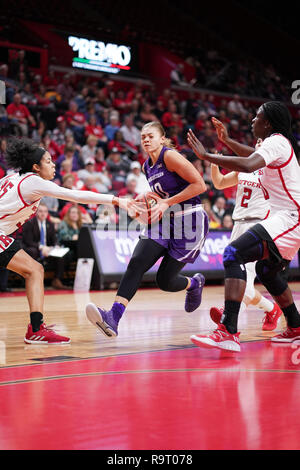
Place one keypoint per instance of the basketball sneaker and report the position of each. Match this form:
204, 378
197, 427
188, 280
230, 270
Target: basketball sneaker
287, 336
193, 297
216, 314
104, 320
271, 318
45, 335
220, 338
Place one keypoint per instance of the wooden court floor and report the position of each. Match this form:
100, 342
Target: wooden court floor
149, 388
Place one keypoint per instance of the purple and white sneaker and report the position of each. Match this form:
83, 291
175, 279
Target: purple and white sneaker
193, 297
104, 320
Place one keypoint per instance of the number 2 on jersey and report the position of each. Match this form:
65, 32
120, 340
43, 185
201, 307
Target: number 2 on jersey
246, 197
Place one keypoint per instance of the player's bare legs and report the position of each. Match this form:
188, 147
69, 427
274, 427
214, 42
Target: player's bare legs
33, 273
285, 299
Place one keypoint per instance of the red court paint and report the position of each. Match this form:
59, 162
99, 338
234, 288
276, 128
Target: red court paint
187, 398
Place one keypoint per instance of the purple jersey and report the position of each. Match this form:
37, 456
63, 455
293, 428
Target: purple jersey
183, 228
166, 183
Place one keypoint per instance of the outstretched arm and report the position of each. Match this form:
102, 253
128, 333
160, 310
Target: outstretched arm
35, 187
246, 165
223, 181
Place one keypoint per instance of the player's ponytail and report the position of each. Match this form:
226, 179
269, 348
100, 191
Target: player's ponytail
22, 154
278, 115
168, 142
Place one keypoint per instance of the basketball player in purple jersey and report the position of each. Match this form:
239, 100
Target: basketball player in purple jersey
177, 237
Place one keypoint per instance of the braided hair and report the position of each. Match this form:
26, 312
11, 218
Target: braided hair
278, 115
22, 154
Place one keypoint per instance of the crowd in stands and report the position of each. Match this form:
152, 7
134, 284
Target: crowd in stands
91, 127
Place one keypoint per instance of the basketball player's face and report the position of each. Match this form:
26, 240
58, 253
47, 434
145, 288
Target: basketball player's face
46, 167
151, 139
260, 127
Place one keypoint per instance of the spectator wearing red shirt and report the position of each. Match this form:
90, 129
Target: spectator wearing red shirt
175, 138
86, 218
120, 102
67, 173
51, 147
100, 163
130, 190
165, 97
117, 142
20, 116
50, 81
118, 166
3, 165
41, 97
58, 135
28, 98
200, 122
171, 118
68, 182
77, 122
89, 185
95, 129
134, 92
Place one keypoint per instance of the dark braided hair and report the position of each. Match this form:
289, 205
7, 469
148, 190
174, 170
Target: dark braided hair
22, 154
278, 115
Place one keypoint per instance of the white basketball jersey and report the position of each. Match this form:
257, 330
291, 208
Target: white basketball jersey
14, 210
281, 175
251, 202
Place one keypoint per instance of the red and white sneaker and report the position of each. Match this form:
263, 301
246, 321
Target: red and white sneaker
271, 318
287, 336
216, 314
220, 338
45, 335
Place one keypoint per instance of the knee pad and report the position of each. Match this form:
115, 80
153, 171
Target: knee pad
233, 264
270, 276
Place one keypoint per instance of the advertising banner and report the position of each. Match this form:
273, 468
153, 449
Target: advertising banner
101, 56
114, 252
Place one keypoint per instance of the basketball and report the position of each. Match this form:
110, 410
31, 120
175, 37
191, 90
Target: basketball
149, 200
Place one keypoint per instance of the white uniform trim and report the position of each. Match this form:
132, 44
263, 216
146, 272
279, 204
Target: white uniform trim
280, 179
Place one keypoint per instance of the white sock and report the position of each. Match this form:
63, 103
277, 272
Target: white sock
265, 305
